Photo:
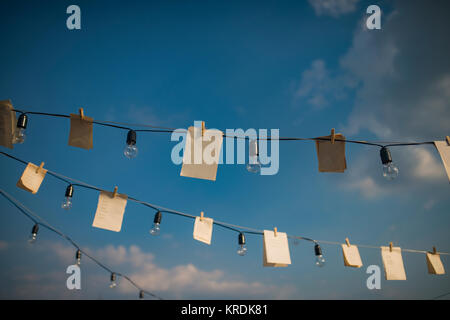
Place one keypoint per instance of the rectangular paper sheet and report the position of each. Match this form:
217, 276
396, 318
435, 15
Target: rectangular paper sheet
110, 210
30, 180
351, 256
7, 124
195, 164
275, 249
203, 229
444, 152
81, 132
331, 157
393, 263
434, 264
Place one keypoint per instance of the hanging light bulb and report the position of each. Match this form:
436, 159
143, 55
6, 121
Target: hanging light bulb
67, 203
242, 249
253, 164
320, 260
19, 133
113, 283
390, 171
131, 151
33, 235
156, 222
141, 294
78, 257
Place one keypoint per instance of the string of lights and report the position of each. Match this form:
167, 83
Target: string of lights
241, 230
38, 221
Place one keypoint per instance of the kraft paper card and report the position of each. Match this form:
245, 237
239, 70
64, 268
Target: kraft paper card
434, 264
7, 124
201, 153
276, 249
110, 210
331, 156
393, 263
31, 178
203, 229
444, 152
81, 132
351, 256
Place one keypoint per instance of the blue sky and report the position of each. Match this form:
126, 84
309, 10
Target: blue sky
299, 66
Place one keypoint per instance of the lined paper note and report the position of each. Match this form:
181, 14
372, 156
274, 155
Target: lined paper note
351, 256
7, 124
444, 152
110, 210
434, 264
31, 180
275, 249
201, 154
393, 263
203, 229
331, 157
81, 132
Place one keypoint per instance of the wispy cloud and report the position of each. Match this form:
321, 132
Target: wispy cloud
334, 8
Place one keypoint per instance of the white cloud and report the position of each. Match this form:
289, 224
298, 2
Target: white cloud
334, 8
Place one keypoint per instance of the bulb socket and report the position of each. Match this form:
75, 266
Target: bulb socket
69, 191
113, 277
78, 254
253, 148
158, 217
141, 294
131, 138
22, 121
35, 229
385, 155
317, 250
241, 239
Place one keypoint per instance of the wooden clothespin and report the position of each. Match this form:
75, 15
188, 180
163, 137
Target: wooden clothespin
333, 135
81, 113
115, 192
203, 128
390, 246
40, 167
448, 140
347, 242
434, 250
275, 231
201, 216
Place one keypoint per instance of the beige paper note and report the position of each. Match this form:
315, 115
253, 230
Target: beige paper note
275, 249
110, 210
434, 264
351, 256
444, 152
201, 154
81, 132
393, 263
31, 178
7, 124
331, 156
203, 229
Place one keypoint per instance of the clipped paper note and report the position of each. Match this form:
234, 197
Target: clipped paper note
434, 264
351, 256
201, 153
110, 210
203, 229
331, 156
275, 249
393, 263
7, 124
81, 132
444, 152
31, 178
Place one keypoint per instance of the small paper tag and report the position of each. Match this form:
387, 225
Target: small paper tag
31, 178
444, 152
7, 124
203, 229
331, 156
434, 264
351, 256
110, 211
81, 132
275, 249
393, 263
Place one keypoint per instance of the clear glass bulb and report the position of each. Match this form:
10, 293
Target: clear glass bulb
113, 284
67, 203
78, 261
130, 151
253, 164
390, 171
32, 238
242, 250
320, 261
19, 135
155, 230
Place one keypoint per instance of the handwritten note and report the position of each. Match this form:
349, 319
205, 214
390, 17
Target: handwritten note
81, 132
110, 210
31, 178
351, 256
393, 263
203, 229
275, 249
